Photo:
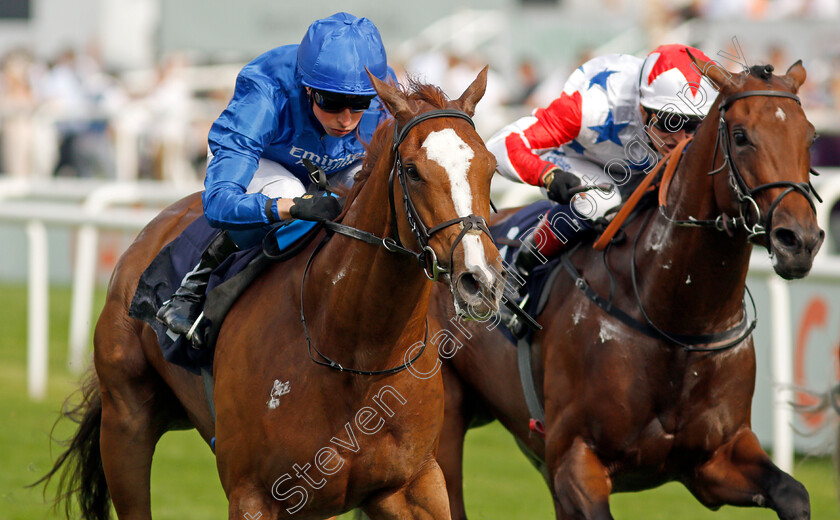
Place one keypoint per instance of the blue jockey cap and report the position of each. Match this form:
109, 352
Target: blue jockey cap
335, 51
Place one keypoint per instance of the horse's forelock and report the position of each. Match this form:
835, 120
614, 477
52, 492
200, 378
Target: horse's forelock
430, 94
764, 72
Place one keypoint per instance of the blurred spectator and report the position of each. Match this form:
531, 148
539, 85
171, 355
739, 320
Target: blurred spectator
429, 67
528, 80
463, 69
84, 149
833, 85
453, 71
826, 150
168, 107
769, 9
551, 86
17, 101
778, 57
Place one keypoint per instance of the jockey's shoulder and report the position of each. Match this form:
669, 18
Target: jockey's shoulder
273, 67
617, 62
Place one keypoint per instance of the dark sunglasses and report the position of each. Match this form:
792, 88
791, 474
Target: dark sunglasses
334, 102
690, 125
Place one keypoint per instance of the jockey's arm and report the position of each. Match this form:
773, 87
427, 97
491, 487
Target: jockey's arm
237, 140
518, 145
283, 206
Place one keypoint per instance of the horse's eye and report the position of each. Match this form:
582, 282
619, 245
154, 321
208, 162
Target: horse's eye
740, 138
412, 173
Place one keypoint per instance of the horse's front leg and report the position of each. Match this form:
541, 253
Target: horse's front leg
740, 473
450, 454
422, 498
249, 500
582, 484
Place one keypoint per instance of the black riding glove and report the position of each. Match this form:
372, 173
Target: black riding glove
315, 208
558, 183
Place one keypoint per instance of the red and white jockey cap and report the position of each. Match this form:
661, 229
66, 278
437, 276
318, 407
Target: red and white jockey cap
670, 83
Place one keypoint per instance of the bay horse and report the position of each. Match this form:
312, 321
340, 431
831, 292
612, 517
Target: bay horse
626, 410
293, 436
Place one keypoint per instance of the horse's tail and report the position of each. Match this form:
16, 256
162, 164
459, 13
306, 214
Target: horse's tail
80, 464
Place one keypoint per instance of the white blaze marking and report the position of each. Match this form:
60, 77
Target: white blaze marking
446, 148
780, 114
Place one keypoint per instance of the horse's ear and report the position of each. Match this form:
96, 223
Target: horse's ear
795, 75
470, 98
390, 95
720, 77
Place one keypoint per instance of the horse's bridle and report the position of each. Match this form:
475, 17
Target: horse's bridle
745, 197
426, 257
747, 205
470, 224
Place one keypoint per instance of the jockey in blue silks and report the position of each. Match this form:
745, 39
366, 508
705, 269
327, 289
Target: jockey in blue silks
309, 101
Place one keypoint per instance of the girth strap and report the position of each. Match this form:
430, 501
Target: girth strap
739, 332
526, 377
207, 383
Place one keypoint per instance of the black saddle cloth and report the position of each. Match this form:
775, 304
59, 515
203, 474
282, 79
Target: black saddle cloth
506, 235
163, 277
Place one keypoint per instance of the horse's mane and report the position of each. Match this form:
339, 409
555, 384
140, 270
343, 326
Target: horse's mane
417, 94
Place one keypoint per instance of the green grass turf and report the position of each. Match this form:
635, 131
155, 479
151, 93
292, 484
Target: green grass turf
500, 484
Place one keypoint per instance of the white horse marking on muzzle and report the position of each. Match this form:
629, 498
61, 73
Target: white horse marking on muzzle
446, 148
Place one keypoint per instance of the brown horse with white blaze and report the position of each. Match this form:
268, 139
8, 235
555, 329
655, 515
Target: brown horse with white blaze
627, 410
358, 432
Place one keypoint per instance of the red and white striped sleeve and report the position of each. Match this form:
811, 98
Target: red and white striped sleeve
517, 146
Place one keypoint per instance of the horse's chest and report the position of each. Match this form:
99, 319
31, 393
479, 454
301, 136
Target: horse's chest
350, 446
693, 417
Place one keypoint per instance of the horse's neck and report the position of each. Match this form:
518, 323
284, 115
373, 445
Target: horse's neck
694, 277
382, 296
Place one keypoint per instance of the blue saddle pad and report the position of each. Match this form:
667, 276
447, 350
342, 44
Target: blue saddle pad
163, 277
517, 226
514, 228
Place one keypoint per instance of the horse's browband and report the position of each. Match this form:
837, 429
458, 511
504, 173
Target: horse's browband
399, 135
725, 102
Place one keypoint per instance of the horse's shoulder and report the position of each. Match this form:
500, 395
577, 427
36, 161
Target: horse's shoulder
169, 223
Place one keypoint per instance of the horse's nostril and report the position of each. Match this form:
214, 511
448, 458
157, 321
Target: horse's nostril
786, 239
468, 285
